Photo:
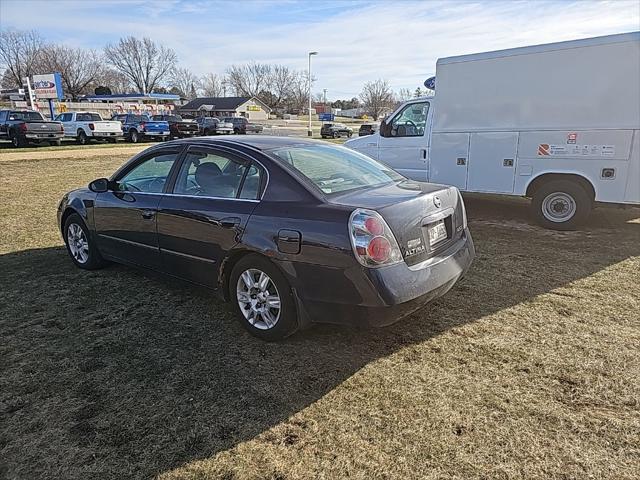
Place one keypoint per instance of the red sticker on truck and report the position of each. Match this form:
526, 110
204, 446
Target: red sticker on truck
543, 149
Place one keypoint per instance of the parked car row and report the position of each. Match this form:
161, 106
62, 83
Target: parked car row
21, 127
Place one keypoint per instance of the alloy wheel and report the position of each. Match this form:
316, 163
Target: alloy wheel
258, 299
78, 243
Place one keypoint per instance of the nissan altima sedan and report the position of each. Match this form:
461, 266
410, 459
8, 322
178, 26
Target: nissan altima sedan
290, 231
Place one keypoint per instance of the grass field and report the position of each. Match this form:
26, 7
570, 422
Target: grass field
528, 369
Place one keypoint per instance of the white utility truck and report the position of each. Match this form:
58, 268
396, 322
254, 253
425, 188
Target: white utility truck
86, 126
559, 123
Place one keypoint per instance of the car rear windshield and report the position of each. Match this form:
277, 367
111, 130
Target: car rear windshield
168, 118
336, 169
29, 116
138, 118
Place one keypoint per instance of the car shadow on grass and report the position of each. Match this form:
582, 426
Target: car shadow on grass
124, 374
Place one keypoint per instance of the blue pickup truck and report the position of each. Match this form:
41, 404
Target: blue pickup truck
136, 128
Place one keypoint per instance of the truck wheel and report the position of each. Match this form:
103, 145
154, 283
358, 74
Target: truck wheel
133, 136
336, 135
17, 141
81, 138
561, 205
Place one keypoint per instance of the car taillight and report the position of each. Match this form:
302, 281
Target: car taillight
373, 242
92, 127
22, 127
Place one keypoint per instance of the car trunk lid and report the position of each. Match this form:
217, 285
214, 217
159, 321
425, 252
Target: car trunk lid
425, 218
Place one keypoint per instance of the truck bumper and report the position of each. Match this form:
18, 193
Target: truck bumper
44, 137
382, 296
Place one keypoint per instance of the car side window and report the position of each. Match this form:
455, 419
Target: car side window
3, 116
150, 175
212, 173
410, 121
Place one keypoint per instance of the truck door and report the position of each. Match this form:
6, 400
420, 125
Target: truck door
403, 142
492, 162
449, 159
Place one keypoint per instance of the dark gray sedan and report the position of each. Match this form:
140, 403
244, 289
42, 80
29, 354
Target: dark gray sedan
291, 231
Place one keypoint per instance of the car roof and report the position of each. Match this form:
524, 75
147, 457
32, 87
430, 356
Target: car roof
259, 142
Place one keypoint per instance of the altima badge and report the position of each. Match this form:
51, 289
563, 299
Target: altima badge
437, 202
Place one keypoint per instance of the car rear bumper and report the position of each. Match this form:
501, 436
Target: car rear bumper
385, 295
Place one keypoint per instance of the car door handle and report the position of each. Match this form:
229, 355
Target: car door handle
229, 222
148, 214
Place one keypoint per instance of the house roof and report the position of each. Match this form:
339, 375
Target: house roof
219, 103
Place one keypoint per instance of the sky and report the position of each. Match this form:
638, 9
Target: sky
357, 41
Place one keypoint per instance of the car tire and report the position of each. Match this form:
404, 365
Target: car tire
81, 138
349, 134
133, 136
336, 135
561, 205
251, 302
236, 131
80, 245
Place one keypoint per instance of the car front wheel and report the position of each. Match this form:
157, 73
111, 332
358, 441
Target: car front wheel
263, 298
80, 245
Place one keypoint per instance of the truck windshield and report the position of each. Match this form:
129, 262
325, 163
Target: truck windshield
28, 116
336, 169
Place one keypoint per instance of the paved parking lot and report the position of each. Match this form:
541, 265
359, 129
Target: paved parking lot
528, 368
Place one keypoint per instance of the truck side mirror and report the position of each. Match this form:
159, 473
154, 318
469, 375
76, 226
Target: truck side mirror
385, 129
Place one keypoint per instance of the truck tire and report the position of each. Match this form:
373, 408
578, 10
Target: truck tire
16, 140
81, 137
561, 205
133, 136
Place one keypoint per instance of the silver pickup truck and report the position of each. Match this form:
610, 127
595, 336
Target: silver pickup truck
23, 126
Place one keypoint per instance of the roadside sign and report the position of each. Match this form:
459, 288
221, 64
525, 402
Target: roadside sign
326, 117
47, 86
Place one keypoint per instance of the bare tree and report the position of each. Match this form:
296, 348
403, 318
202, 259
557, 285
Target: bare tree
403, 95
19, 55
142, 61
79, 68
185, 82
114, 80
212, 85
279, 83
250, 79
297, 97
376, 97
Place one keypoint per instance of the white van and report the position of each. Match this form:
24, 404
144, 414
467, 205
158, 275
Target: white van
559, 123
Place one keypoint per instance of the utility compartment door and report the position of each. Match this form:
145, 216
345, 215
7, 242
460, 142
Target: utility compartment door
492, 162
449, 159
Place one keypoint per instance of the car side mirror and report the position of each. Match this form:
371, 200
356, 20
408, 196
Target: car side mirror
100, 185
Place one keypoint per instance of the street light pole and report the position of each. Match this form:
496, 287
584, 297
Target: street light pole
309, 131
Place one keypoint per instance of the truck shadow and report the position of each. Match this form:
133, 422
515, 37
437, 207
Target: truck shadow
123, 374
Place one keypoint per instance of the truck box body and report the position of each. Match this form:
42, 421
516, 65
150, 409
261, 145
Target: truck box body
500, 120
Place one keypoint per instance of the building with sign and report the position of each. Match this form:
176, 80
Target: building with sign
249, 107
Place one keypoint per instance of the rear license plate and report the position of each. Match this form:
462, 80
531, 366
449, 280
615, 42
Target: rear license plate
437, 232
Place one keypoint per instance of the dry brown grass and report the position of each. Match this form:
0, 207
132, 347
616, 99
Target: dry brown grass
529, 368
